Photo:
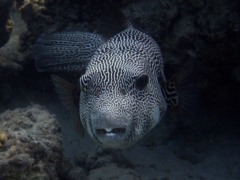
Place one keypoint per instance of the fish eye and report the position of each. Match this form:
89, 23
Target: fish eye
142, 81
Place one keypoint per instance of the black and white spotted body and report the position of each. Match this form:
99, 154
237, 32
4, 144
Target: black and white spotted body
121, 98
123, 90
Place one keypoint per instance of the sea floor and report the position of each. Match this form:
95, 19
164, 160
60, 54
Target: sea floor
205, 155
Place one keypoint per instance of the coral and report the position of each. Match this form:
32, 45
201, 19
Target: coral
11, 60
31, 144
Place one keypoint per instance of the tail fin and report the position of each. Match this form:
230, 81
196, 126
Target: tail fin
180, 90
66, 51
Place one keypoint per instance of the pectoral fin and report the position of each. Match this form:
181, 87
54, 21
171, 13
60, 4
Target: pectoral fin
180, 90
69, 96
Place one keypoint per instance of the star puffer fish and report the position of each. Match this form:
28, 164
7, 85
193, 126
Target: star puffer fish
121, 98
121, 81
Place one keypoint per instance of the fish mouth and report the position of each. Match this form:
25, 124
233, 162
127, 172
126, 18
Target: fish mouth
111, 137
110, 132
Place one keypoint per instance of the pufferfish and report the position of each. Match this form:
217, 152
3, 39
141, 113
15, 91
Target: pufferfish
121, 92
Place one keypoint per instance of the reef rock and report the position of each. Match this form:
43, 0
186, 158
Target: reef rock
11, 60
6, 23
112, 171
30, 144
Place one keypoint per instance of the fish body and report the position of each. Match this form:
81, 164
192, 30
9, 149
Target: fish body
121, 99
122, 87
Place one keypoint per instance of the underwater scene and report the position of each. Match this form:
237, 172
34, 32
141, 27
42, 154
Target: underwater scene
119, 90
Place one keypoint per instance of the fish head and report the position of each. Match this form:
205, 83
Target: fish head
119, 106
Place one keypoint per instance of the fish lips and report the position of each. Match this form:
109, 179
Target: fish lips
111, 140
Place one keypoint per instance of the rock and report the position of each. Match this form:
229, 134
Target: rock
31, 144
6, 24
112, 171
81, 159
76, 173
11, 60
155, 17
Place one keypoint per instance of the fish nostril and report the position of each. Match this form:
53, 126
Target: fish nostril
110, 131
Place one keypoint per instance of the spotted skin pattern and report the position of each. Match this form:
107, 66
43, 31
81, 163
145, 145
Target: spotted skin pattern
110, 97
123, 92
65, 52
